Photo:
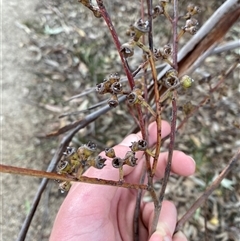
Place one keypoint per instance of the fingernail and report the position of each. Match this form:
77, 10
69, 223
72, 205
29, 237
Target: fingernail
192, 160
167, 238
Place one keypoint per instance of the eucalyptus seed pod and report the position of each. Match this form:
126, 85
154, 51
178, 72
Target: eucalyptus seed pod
69, 151
167, 51
116, 88
86, 150
109, 152
192, 30
113, 101
170, 78
101, 88
140, 28
157, 54
158, 10
64, 167
100, 162
191, 22
64, 186
117, 162
130, 159
127, 50
97, 162
140, 145
133, 97
72, 156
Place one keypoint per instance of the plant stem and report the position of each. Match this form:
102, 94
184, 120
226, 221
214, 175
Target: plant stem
175, 35
113, 32
150, 35
208, 191
56, 176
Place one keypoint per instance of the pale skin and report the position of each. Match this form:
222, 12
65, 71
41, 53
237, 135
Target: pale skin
105, 213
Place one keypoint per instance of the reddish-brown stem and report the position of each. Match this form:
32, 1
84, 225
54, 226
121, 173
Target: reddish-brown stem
208, 191
175, 35
158, 114
150, 36
168, 167
55, 176
113, 32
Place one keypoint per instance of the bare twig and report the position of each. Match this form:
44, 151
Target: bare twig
208, 191
55, 176
113, 32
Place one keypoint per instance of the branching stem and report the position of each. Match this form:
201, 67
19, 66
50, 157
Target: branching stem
113, 32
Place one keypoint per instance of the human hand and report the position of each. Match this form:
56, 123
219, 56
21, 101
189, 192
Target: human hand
105, 213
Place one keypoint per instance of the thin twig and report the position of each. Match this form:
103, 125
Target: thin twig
150, 34
113, 32
157, 209
208, 191
56, 176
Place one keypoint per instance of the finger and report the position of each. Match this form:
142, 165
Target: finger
179, 236
166, 223
182, 164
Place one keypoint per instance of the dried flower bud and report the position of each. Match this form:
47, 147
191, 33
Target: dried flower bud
186, 81
110, 152
130, 159
127, 49
113, 101
117, 162
140, 145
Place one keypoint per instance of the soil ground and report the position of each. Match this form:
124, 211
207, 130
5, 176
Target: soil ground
20, 121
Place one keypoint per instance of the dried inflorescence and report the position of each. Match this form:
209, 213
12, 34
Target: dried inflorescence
76, 161
191, 23
112, 86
